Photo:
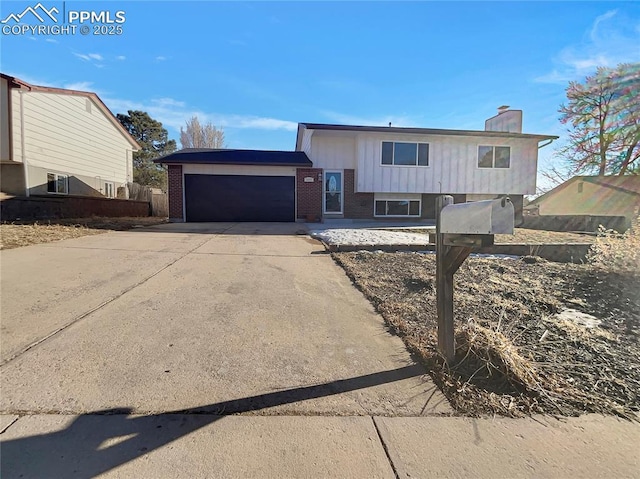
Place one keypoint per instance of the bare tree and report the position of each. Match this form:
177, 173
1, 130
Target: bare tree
603, 115
197, 135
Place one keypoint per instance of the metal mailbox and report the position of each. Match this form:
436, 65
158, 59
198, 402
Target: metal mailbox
478, 218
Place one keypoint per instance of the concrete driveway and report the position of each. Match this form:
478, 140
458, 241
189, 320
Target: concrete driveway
216, 318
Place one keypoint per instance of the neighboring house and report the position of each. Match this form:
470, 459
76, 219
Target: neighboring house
60, 142
356, 173
591, 195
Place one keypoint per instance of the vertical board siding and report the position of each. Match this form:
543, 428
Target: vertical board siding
333, 152
71, 134
453, 166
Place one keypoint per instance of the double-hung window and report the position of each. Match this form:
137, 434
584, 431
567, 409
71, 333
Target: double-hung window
405, 154
494, 156
57, 183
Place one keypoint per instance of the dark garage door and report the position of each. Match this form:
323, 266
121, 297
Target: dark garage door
239, 198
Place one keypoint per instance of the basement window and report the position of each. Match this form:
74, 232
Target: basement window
494, 156
397, 208
57, 183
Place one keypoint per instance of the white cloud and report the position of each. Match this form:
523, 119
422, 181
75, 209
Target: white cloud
51, 40
174, 114
80, 86
160, 58
612, 39
88, 57
121, 57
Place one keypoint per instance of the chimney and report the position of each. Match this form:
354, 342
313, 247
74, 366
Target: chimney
509, 121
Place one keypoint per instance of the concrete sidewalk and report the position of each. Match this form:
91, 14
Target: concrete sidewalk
195, 446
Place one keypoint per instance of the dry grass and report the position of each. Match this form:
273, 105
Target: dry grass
513, 355
617, 253
17, 234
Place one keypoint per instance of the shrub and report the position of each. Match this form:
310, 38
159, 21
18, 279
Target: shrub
617, 253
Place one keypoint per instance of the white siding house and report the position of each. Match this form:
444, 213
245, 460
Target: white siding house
396, 172
61, 142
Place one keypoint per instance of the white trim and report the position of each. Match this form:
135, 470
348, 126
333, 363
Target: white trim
417, 143
493, 162
409, 200
324, 193
184, 199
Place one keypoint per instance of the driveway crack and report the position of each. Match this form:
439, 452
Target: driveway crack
104, 303
386, 449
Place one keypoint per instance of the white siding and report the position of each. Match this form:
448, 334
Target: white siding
333, 152
71, 134
306, 141
16, 122
239, 170
453, 166
5, 152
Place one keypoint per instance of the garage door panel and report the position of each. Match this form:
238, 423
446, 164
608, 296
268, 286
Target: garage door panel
239, 198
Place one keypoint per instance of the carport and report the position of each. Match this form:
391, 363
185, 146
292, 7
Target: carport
233, 185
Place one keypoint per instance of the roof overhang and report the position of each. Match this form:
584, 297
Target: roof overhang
417, 131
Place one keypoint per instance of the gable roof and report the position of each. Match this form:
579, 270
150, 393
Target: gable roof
629, 184
421, 131
17, 83
236, 157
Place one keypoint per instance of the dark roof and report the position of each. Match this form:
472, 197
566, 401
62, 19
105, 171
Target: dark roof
423, 131
236, 157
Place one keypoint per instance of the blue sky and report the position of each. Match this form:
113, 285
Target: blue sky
257, 69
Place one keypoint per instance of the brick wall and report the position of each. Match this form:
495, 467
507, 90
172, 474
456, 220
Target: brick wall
309, 194
356, 205
175, 192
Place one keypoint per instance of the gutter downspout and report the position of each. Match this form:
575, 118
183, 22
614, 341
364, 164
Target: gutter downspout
22, 143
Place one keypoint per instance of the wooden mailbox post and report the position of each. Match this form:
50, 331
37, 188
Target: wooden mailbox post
459, 229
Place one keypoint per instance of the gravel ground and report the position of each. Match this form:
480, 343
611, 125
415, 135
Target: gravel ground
514, 355
355, 236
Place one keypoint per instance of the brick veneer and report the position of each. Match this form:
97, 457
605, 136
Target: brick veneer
309, 194
356, 205
175, 193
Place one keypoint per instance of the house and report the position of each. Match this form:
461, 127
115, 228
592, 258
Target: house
591, 195
356, 173
57, 142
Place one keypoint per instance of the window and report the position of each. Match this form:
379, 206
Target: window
57, 183
494, 156
333, 192
405, 154
397, 208
108, 190
580, 187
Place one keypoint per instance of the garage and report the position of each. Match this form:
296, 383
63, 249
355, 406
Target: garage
239, 198
233, 185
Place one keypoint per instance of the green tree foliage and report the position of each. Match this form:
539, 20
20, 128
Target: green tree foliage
603, 116
154, 142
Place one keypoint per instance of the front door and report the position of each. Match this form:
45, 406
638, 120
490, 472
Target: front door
333, 192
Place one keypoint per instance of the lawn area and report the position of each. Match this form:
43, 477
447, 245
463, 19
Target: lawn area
17, 234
